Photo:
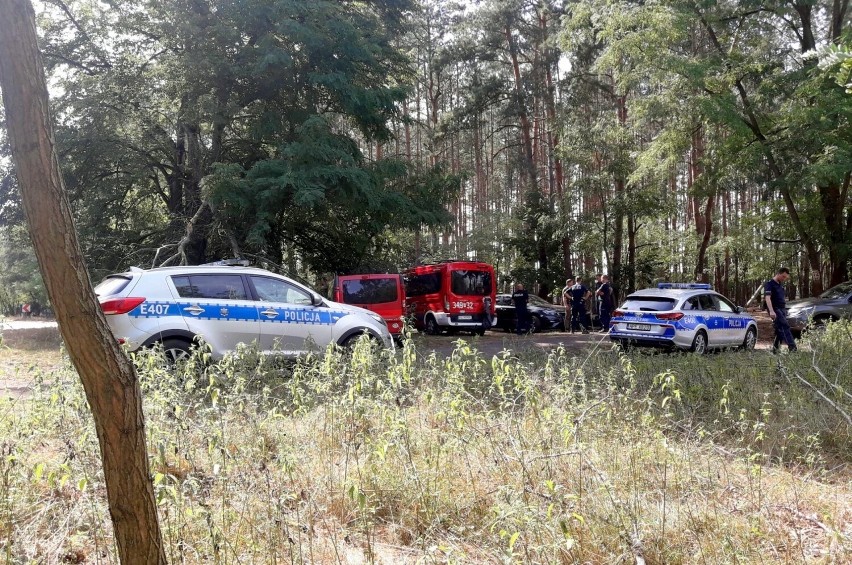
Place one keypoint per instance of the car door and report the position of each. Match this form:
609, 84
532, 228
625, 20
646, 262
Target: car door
218, 307
505, 312
712, 319
734, 324
846, 306
289, 322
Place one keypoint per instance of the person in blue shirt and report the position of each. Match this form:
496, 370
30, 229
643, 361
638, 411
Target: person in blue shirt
604, 295
776, 304
579, 315
521, 299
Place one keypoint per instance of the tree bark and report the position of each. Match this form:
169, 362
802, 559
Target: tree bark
108, 377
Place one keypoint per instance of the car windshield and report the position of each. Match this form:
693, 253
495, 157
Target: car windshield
539, 301
649, 303
839, 291
370, 291
475, 283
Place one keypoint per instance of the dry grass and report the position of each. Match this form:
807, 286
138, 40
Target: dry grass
465, 459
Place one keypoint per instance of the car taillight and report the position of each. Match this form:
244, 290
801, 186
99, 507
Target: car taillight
670, 316
618, 314
113, 306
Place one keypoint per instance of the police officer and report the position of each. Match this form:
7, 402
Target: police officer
604, 295
579, 316
521, 299
595, 303
566, 303
776, 304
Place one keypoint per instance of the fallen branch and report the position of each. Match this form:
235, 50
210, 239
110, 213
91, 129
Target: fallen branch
190, 226
819, 393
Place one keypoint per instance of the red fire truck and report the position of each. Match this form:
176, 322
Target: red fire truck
452, 296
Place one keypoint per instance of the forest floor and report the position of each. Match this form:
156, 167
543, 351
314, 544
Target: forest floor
562, 450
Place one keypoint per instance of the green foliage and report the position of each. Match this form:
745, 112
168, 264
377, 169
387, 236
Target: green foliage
837, 59
264, 107
528, 455
20, 281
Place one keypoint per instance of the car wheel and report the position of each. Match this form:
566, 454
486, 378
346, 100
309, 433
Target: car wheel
820, 322
353, 339
176, 350
535, 324
750, 339
432, 327
699, 343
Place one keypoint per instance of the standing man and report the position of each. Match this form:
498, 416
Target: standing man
566, 303
776, 304
604, 294
521, 299
595, 303
579, 316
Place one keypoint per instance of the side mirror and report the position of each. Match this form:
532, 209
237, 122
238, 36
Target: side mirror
740, 310
316, 300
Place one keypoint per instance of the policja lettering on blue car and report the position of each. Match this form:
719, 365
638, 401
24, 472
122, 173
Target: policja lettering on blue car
302, 316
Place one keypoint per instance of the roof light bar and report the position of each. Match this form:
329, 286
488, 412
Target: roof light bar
693, 286
229, 263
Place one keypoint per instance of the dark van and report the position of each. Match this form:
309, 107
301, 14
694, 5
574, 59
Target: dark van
384, 294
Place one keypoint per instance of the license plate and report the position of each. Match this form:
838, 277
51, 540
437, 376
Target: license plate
639, 327
465, 317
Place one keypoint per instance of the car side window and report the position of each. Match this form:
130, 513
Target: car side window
706, 302
216, 287
724, 305
274, 290
692, 304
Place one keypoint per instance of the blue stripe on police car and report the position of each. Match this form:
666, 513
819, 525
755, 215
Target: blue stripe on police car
236, 313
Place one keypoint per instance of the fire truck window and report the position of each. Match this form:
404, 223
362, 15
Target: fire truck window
418, 285
467, 283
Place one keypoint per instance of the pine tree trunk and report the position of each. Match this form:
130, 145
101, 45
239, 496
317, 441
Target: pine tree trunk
108, 377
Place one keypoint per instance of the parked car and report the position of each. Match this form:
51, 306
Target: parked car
833, 304
543, 314
228, 305
383, 294
682, 316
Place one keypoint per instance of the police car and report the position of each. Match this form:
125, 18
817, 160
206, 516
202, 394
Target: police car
682, 316
227, 305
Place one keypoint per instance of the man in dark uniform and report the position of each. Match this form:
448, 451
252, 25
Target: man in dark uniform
776, 304
595, 303
521, 299
604, 295
566, 303
579, 316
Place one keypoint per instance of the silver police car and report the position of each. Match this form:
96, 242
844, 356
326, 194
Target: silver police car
682, 316
228, 305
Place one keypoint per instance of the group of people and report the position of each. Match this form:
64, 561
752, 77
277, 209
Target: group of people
575, 296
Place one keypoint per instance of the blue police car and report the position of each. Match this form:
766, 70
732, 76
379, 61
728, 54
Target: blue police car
682, 316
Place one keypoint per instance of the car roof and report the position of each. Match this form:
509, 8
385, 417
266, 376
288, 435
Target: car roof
203, 269
676, 293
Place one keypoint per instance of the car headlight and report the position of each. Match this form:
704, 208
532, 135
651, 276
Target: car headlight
379, 319
802, 312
